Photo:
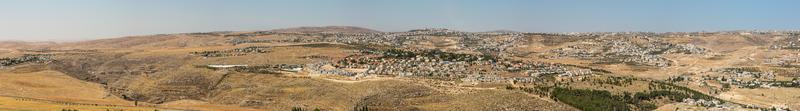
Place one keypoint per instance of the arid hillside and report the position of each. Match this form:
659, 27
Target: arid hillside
340, 68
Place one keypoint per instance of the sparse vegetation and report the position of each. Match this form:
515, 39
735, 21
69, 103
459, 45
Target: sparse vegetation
427, 69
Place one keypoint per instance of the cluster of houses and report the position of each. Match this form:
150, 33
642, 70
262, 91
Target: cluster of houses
263, 69
500, 45
724, 106
717, 105
6, 62
703, 102
616, 50
251, 34
791, 43
465, 68
480, 42
320, 68
750, 78
792, 60
234, 52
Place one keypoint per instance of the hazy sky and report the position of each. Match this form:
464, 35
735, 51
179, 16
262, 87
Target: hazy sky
43, 20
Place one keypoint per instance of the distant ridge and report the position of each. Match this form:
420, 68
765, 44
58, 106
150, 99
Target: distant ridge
340, 29
18, 44
504, 31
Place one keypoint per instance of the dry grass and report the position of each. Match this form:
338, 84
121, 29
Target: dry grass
786, 97
51, 90
204, 106
55, 86
27, 104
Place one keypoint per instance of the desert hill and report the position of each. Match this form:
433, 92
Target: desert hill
23, 44
339, 29
349, 68
200, 39
504, 31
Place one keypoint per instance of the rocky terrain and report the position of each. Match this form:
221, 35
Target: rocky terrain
338, 68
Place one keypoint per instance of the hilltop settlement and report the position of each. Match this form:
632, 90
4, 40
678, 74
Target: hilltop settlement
349, 68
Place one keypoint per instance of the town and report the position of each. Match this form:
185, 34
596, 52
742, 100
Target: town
628, 70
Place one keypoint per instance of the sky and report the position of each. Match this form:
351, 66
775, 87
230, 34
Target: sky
72, 20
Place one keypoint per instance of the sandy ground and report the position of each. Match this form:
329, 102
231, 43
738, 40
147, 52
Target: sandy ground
56, 86
786, 97
204, 106
51, 90
25, 104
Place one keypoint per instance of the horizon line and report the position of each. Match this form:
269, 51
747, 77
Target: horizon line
381, 31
